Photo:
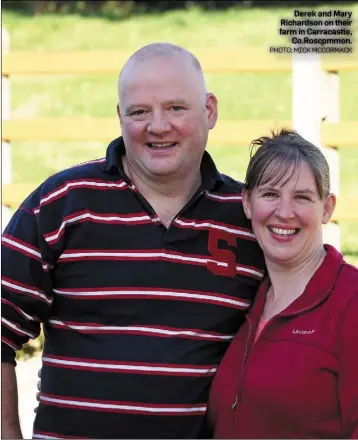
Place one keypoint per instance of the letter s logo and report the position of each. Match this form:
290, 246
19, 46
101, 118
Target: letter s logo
222, 255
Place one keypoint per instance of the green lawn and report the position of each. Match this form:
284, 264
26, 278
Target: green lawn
241, 96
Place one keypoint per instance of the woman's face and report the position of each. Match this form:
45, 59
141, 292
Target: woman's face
287, 219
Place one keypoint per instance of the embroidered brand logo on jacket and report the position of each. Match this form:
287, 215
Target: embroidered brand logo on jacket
302, 332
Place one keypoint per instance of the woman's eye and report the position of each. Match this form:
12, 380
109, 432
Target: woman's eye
270, 194
301, 197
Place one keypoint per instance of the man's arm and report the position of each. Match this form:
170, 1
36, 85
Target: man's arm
9, 407
26, 299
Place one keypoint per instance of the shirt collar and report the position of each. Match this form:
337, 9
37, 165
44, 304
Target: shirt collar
320, 285
114, 153
116, 149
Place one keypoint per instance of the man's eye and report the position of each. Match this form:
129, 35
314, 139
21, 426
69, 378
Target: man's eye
137, 112
176, 108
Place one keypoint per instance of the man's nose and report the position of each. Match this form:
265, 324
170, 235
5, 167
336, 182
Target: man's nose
158, 124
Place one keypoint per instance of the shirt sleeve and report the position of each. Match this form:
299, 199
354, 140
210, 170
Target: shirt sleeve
27, 292
348, 370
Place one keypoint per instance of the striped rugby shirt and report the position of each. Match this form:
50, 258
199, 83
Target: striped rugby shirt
136, 316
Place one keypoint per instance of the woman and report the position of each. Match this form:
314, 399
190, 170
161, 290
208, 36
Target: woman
292, 369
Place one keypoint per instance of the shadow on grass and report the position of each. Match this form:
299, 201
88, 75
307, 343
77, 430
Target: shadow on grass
122, 10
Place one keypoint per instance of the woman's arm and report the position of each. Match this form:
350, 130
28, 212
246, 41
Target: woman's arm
348, 370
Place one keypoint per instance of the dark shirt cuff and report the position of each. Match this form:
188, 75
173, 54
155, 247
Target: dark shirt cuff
8, 355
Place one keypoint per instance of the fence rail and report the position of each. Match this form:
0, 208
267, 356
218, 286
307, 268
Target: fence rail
238, 60
330, 134
226, 133
14, 194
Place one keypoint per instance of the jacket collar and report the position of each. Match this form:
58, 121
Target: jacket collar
318, 288
114, 164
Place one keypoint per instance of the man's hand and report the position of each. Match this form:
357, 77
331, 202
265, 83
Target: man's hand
39, 389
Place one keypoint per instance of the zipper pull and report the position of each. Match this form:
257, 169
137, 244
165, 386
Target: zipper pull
234, 404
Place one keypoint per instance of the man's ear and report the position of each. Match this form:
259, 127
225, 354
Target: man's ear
246, 203
118, 112
328, 208
212, 109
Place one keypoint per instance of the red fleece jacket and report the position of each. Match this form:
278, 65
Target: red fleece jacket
300, 379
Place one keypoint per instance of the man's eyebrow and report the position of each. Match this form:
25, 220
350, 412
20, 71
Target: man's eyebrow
176, 101
135, 106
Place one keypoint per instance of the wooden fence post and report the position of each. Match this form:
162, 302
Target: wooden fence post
315, 97
330, 113
6, 166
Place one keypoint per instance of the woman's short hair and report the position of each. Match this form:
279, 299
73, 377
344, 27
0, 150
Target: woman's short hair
272, 157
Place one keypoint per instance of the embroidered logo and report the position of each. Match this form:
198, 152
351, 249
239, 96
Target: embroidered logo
302, 332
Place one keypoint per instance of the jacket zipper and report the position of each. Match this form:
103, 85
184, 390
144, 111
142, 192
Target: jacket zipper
246, 353
285, 315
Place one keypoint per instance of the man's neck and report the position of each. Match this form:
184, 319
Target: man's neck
166, 197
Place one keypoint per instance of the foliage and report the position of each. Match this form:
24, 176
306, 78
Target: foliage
32, 348
120, 8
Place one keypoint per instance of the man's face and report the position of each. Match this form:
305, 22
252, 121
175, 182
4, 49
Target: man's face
165, 117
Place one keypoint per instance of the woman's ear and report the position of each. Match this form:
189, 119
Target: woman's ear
328, 208
246, 203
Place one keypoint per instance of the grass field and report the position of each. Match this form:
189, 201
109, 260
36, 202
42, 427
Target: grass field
241, 96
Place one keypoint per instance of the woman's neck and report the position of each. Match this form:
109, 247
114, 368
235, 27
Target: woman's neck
294, 278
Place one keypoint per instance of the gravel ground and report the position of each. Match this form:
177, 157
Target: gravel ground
27, 379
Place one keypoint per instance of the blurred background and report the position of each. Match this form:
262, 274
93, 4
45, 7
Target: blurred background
219, 32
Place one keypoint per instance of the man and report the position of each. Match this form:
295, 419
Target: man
140, 265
